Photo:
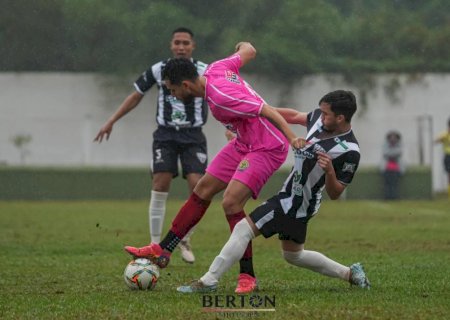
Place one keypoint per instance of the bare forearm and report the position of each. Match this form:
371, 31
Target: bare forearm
292, 116
333, 186
127, 105
277, 120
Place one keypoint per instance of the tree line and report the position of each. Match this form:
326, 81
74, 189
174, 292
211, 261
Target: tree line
293, 37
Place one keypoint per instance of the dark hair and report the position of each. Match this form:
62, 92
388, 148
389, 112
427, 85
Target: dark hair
183, 29
178, 70
342, 103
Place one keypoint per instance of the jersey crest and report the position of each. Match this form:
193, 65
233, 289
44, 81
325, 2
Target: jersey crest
232, 77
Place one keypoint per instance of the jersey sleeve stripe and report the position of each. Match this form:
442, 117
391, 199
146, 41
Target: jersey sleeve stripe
271, 132
138, 89
229, 109
234, 99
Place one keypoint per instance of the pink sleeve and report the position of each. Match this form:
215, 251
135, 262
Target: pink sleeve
232, 63
235, 102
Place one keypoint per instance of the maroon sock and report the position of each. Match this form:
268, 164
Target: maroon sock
189, 215
233, 219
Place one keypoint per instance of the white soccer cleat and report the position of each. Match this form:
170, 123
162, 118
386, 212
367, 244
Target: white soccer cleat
186, 251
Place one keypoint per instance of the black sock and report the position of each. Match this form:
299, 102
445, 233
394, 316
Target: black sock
170, 241
246, 266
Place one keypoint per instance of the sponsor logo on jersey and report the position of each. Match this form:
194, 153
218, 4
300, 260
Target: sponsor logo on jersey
232, 77
303, 154
244, 164
201, 157
178, 116
319, 148
348, 167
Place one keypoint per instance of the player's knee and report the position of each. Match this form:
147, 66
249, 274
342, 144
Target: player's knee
243, 230
230, 206
293, 257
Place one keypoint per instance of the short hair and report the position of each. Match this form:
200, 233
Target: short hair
179, 69
342, 103
183, 29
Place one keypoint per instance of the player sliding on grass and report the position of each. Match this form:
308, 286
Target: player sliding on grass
329, 160
243, 166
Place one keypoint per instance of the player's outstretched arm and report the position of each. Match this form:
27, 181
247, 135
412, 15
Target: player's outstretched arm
293, 116
127, 105
246, 51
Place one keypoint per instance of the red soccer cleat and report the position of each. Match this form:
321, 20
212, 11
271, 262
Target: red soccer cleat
246, 284
153, 252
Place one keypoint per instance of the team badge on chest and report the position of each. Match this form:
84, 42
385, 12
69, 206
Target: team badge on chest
232, 77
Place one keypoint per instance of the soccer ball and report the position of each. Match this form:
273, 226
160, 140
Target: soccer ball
141, 274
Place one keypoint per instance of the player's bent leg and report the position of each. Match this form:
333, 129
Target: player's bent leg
235, 197
187, 254
156, 213
314, 261
230, 254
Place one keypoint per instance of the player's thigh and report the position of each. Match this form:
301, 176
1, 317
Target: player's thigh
193, 157
264, 217
270, 219
192, 180
208, 186
256, 168
161, 181
165, 157
235, 197
224, 164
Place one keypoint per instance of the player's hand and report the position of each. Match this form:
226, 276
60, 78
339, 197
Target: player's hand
324, 161
298, 143
105, 130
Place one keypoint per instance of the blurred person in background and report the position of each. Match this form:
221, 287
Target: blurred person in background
178, 136
444, 139
392, 166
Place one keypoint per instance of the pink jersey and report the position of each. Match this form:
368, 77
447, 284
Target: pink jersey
236, 105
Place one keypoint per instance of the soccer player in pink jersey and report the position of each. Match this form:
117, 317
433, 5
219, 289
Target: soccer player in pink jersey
243, 166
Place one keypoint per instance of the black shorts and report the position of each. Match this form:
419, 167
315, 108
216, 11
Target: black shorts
270, 219
447, 163
189, 146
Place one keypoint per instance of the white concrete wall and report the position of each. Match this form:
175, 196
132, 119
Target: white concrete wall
63, 112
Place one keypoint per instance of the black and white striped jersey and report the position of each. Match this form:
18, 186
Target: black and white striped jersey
171, 112
301, 194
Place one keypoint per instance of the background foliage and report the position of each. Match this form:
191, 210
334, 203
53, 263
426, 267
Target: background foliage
293, 37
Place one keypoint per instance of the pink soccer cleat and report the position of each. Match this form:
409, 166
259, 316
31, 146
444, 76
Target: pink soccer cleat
153, 252
246, 284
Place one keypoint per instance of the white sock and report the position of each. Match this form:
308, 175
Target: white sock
156, 212
231, 252
317, 262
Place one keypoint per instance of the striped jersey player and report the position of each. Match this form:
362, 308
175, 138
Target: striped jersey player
328, 161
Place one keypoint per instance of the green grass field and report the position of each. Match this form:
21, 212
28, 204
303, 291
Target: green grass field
64, 260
